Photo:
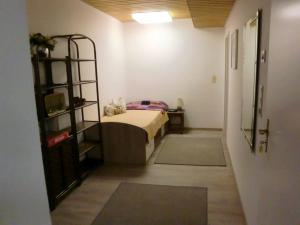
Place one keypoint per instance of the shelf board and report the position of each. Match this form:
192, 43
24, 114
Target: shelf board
55, 86
57, 115
84, 125
86, 146
65, 85
81, 127
46, 59
84, 82
83, 60
86, 104
66, 191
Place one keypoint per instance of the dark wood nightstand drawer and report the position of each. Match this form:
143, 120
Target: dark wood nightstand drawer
176, 122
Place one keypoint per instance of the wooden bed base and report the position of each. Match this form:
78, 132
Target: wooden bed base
127, 144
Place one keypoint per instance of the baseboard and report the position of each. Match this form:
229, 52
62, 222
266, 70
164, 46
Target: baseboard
204, 129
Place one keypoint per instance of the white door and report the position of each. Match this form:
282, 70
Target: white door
280, 166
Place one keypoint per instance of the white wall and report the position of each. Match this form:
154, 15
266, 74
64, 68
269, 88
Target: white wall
243, 161
168, 61
159, 61
74, 16
23, 198
269, 183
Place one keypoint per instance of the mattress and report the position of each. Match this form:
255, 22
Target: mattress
148, 120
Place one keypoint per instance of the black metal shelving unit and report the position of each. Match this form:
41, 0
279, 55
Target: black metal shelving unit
63, 167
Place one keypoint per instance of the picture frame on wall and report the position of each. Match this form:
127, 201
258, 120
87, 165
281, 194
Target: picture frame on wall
234, 49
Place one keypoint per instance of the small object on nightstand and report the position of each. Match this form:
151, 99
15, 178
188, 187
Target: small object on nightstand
176, 121
172, 110
179, 104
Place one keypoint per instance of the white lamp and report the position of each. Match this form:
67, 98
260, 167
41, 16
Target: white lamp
179, 104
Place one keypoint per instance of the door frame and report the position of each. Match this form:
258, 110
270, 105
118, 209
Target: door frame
226, 88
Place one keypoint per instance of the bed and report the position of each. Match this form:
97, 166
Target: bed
131, 137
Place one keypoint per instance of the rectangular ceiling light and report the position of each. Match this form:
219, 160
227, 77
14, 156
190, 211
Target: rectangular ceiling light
152, 17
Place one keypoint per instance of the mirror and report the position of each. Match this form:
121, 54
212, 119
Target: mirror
251, 61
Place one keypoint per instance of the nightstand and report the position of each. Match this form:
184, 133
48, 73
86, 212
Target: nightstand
176, 122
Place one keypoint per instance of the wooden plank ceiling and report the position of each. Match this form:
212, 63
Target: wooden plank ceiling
204, 13
209, 13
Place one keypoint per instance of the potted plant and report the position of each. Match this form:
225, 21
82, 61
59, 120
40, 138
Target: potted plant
41, 44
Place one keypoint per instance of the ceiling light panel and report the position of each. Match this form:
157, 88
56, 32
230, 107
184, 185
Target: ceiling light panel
152, 17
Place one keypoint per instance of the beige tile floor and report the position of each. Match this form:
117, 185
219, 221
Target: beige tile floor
224, 206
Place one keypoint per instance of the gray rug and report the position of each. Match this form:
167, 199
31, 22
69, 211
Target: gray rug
144, 204
196, 151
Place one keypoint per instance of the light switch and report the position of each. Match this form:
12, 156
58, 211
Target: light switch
214, 79
263, 56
